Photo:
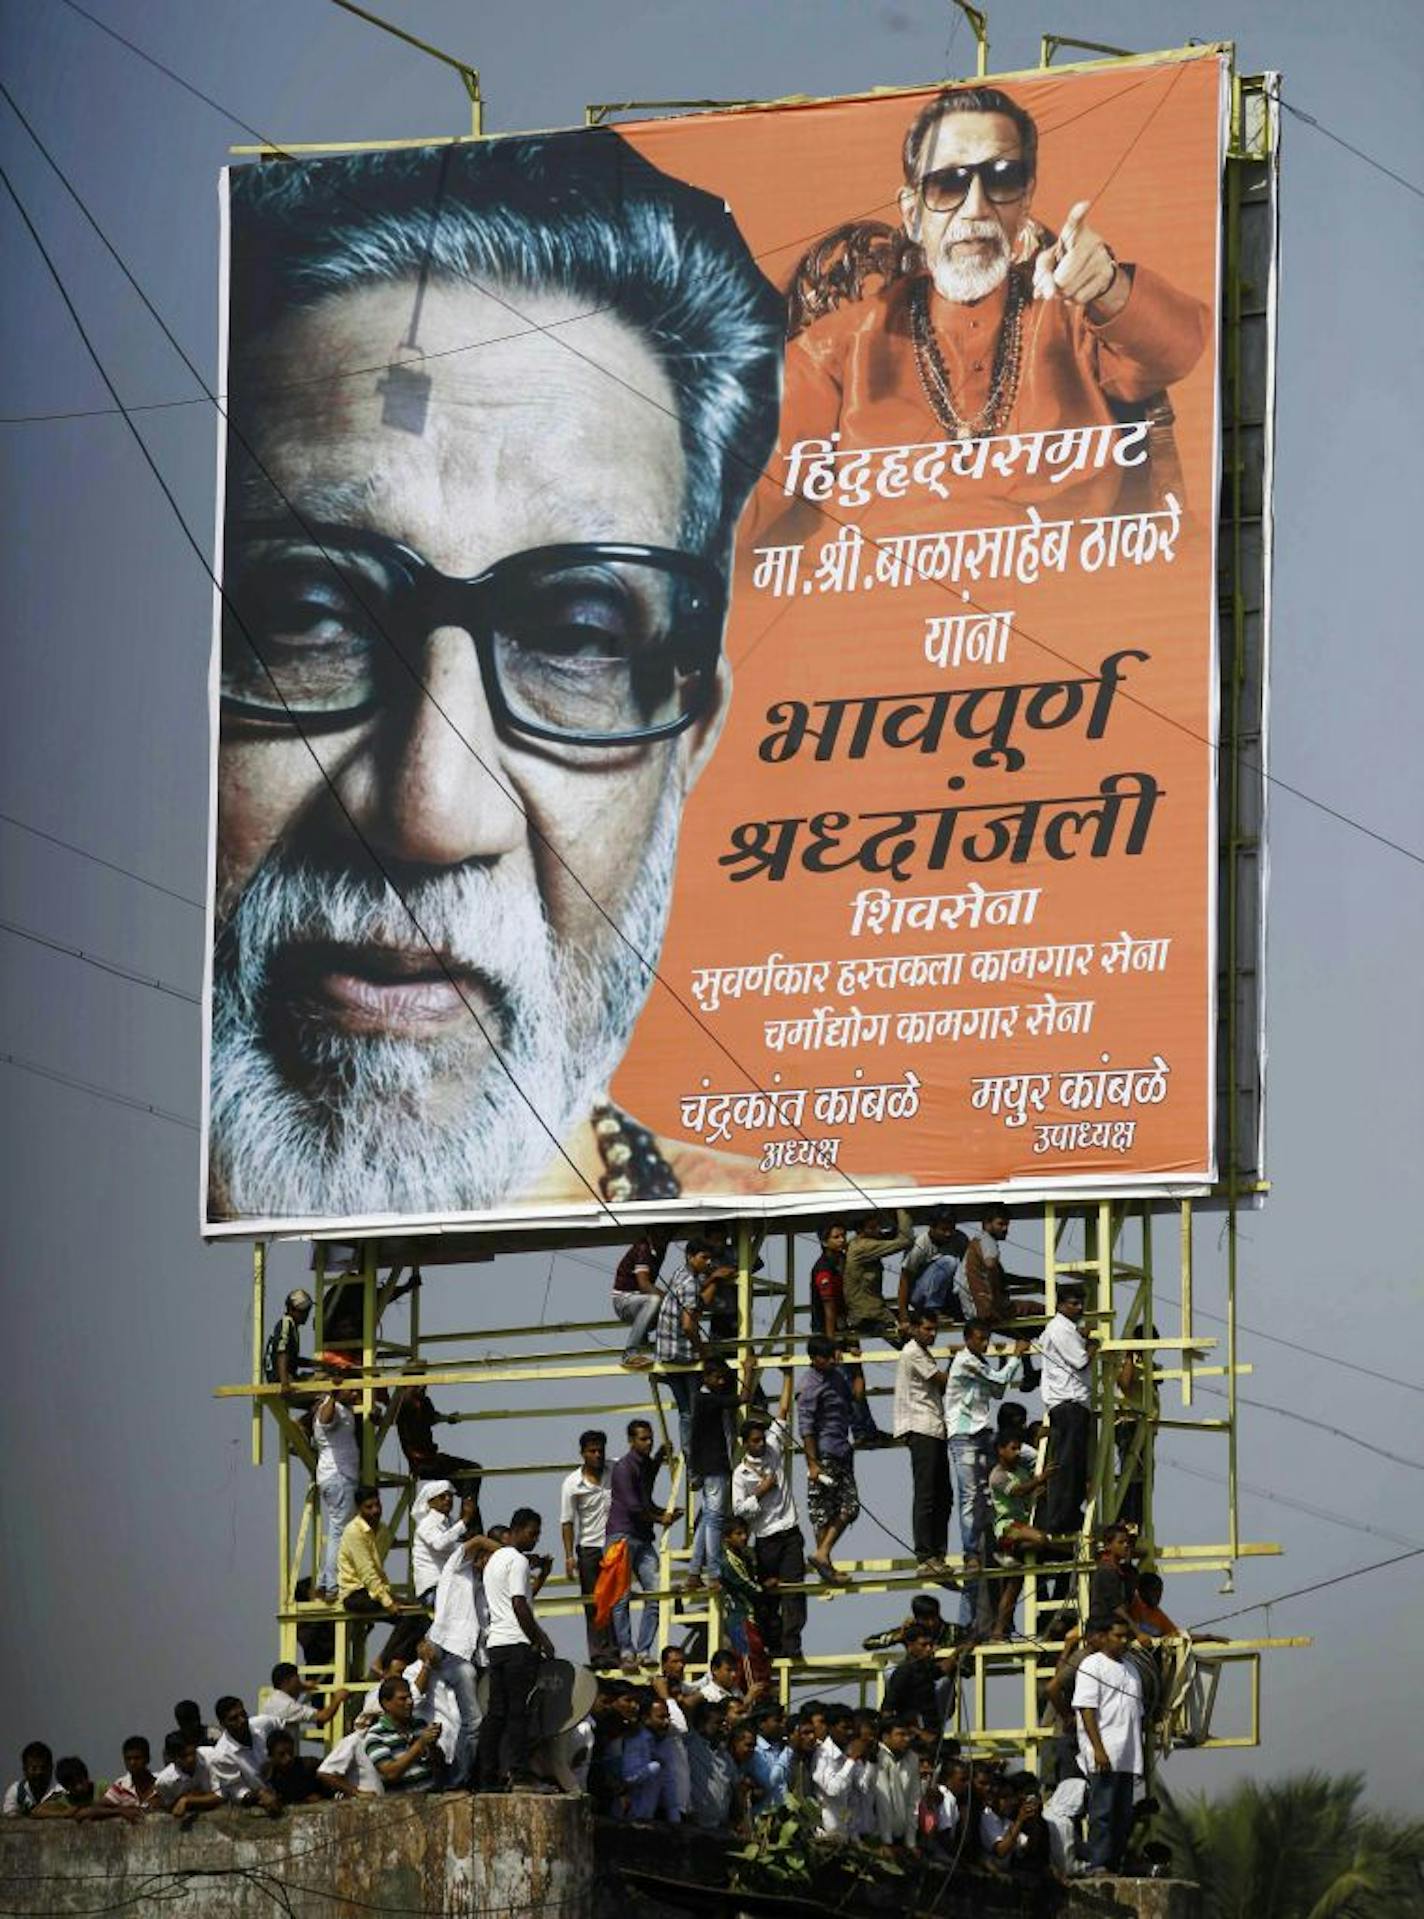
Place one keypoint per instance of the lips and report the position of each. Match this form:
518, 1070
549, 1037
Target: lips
384, 990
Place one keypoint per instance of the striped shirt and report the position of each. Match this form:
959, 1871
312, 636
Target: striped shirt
673, 1347
386, 1741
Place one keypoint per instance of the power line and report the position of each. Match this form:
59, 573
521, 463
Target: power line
99, 1092
1339, 1432
331, 786
1286, 1499
104, 966
1273, 779
1320, 1585
1379, 166
98, 859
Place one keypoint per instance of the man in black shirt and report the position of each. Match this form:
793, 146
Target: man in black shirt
913, 1685
710, 1466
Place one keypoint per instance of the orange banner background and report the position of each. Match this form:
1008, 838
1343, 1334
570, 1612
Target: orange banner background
1143, 146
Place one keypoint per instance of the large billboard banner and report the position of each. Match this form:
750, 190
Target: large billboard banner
715, 669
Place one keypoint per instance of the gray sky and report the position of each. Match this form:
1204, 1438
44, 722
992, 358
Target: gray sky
141, 1556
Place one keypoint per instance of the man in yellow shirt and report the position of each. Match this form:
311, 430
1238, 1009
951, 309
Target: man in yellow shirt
363, 1586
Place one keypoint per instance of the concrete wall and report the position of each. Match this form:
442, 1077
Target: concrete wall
526, 1857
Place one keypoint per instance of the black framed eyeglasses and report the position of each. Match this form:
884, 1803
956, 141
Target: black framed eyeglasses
595, 643
948, 187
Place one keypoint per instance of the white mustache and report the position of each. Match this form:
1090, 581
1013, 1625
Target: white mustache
973, 230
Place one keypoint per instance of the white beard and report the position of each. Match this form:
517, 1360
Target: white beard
961, 281
378, 1124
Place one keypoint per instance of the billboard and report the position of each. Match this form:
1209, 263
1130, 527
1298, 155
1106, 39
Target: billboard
714, 682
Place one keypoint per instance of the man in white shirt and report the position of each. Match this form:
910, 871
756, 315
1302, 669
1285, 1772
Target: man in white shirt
236, 1761
584, 1499
919, 1422
843, 1775
457, 1636
1107, 1697
1067, 1398
287, 1702
516, 1643
723, 1679
975, 1381
338, 1471
761, 1494
36, 1787
348, 1771
897, 1783
185, 1785
434, 1536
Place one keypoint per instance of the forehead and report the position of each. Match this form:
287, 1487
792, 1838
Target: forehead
959, 139
543, 424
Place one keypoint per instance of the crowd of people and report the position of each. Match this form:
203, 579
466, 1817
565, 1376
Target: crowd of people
460, 1688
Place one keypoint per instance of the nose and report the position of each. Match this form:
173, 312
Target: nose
976, 204
430, 790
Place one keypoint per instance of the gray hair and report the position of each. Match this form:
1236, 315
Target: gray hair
581, 214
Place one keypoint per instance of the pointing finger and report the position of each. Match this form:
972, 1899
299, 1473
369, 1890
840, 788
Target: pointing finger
1077, 213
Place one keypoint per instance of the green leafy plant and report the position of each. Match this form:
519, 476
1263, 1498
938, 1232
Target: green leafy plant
788, 1851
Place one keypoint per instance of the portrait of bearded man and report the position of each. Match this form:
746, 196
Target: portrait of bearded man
471, 665
984, 321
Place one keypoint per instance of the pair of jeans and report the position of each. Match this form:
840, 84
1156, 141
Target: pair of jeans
644, 1566
637, 1311
711, 1518
602, 1641
929, 1474
338, 1509
1109, 1817
972, 1457
683, 1387
506, 1736
460, 1675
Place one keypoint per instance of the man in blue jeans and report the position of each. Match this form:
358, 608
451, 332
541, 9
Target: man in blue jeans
679, 1341
975, 1381
632, 1516
1107, 1697
710, 1462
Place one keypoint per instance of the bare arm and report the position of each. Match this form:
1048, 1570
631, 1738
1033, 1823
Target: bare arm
1089, 1717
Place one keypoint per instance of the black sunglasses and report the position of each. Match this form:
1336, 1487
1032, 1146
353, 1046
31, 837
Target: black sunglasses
595, 643
948, 187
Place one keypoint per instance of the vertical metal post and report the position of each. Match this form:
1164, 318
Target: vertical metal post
259, 1322
370, 1281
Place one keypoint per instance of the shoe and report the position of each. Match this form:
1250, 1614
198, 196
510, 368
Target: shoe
832, 1575
628, 1663
637, 1362
874, 1442
650, 1664
691, 1584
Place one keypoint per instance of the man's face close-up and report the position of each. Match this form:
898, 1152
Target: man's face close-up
357, 1044
968, 246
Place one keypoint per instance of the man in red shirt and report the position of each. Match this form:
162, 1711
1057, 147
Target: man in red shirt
828, 1316
637, 1295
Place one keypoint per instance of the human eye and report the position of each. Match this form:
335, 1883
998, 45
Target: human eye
303, 629
593, 616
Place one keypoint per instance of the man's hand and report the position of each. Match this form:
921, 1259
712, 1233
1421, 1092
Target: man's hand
1022, 1346
813, 1469
1079, 267
570, 1569
1101, 1760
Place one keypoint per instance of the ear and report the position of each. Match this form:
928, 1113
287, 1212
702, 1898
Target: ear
699, 742
910, 212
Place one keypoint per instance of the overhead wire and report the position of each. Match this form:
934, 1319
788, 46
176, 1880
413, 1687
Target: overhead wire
103, 965
363, 839
1286, 1499
84, 853
1319, 1585
24, 1065
1257, 767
